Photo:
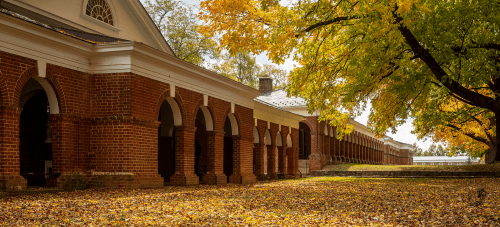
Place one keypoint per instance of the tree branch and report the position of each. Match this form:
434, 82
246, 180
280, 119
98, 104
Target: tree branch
455, 87
470, 135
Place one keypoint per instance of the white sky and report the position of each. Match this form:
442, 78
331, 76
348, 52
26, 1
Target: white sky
403, 133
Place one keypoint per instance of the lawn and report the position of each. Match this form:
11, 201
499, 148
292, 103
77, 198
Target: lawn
309, 201
365, 167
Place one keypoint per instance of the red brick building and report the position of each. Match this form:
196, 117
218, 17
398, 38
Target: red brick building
92, 87
318, 143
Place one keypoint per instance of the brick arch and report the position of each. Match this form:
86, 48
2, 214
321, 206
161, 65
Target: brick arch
208, 112
61, 97
308, 124
234, 119
165, 96
21, 81
50, 84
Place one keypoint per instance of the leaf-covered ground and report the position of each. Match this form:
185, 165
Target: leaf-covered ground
365, 167
309, 201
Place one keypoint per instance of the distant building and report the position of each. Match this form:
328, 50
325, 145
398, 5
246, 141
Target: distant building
445, 160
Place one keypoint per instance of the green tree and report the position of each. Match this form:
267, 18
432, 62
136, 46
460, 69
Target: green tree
406, 56
279, 76
241, 67
179, 25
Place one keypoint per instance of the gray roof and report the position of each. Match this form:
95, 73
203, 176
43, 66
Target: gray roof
54, 25
280, 98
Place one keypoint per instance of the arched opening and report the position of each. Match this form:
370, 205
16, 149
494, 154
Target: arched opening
256, 145
267, 140
279, 156
203, 123
169, 117
304, 141
230, 129
289, 159
35, 131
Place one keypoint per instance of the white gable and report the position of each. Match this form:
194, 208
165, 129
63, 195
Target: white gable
130, 19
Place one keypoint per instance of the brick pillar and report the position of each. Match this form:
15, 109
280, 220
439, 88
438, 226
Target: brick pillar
64, 151
350, 150
242, 161
342, 149
259, 158
290, 161
215, 154
184, 157
271, 159
326, 144
10, 178
282, 159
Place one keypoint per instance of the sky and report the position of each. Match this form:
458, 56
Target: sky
403, 133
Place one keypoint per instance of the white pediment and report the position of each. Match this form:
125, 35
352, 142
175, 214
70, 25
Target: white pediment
130, 19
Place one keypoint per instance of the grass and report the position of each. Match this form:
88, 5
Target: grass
315, 201
365, 167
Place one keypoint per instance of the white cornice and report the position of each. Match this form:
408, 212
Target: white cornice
50, 15
36, 42
277, 116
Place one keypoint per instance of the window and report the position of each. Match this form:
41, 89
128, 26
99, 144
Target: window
459, 163
440, 163
449, 163
99, 10
432, 163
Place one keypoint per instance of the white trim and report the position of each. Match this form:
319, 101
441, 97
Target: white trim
234, 124
51, 94
288, 141
256, 138
208, 118
267, 136
281, 117
279, 139
32, 41
42, 68
176, 111
172, 90
205, 100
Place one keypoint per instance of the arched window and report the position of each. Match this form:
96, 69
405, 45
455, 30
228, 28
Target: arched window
99, 10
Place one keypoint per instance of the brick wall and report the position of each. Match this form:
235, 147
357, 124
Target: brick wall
107, 128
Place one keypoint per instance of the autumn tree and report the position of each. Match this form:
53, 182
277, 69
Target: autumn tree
463, 128
279, 76
405, 56
240, 66
179, 25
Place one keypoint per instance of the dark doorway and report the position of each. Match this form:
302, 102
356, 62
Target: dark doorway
304, 141
35, 135
166, 142
228, 149
200, 148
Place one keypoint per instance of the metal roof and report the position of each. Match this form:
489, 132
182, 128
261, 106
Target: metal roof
280, 98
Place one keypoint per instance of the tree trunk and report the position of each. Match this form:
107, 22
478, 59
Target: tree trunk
492, 156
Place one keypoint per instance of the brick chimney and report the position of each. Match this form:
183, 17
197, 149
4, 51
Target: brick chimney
265, 84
